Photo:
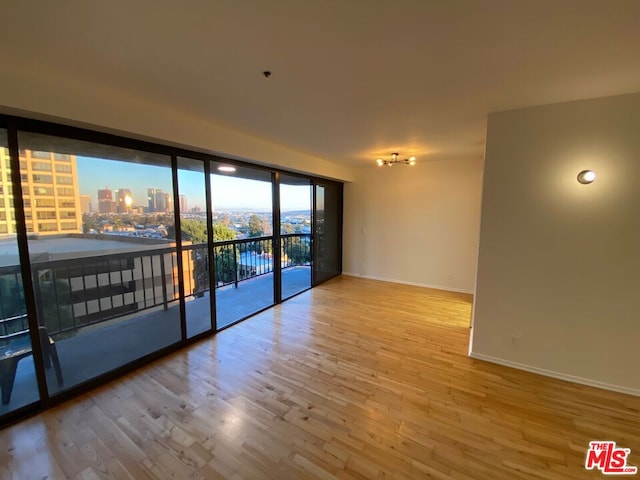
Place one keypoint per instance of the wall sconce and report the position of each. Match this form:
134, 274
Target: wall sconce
586, 176
394, 159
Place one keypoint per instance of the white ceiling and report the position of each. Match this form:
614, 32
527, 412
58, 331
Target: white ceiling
352, 79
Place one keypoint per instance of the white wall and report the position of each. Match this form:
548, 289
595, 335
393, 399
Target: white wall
416, 225
559, 262
48, 94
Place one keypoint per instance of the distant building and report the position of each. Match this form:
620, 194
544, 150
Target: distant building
151, 199
50, 192
158, 201
124, 200
106, 204
183, 204
85, 203
161, 201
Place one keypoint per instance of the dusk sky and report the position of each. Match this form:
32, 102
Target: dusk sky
229, 193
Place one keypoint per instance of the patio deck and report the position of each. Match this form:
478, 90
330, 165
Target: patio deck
99, 348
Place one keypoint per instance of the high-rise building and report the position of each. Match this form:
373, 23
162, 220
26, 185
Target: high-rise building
124, 200
106, 204
183, 204
85, 203
50, 192
151, 198
161, 204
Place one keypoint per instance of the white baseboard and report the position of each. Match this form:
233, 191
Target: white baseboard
558, 375
404, 282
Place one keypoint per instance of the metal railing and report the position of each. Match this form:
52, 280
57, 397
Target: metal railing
11, 325
296, 250
78, 292
74, 293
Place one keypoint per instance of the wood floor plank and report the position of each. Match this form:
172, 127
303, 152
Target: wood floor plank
355, 379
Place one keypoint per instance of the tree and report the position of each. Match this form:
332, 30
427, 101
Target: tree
222, 232
288, 228
194, 230
297, 251
90, 222
226, 263
255, 226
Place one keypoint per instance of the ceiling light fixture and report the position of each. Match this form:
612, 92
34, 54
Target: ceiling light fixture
586, 176
394, 159
225, 168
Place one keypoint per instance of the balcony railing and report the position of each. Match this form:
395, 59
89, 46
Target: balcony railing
75, 293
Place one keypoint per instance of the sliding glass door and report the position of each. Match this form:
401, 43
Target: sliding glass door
295, 234
243, 241
18, 383
102, 253
192, 205
327, 235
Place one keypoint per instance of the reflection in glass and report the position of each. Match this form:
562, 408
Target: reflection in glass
195, 249
18, 383
295, 230
327, 257
103, 256
243, 236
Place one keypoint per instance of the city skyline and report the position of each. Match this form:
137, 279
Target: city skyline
230, 193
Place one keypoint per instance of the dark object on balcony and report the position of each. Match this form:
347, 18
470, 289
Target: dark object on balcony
17, 346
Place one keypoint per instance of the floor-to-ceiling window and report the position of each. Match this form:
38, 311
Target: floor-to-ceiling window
102, 252
115, 251
243, 236
295, 233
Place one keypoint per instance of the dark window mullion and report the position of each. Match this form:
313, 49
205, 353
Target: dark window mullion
211, 247
25, 263
178, 232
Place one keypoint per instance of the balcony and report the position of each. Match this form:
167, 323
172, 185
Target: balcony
106, 311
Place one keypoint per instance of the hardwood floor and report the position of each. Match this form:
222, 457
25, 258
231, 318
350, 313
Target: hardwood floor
355, 379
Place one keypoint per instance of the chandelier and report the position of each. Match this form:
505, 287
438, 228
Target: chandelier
394, 159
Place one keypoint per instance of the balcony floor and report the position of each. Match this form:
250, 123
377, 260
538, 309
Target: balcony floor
99, 348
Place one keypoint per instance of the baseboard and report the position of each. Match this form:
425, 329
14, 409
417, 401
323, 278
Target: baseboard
558, 375
404, 282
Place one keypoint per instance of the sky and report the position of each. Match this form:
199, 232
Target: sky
229, 193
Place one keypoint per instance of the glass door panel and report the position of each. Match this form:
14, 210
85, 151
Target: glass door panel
195, 247
327, 235
295, 231
18, 383
103, 253
243, 236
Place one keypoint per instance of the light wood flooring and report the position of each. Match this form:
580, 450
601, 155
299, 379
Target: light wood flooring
355, 379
